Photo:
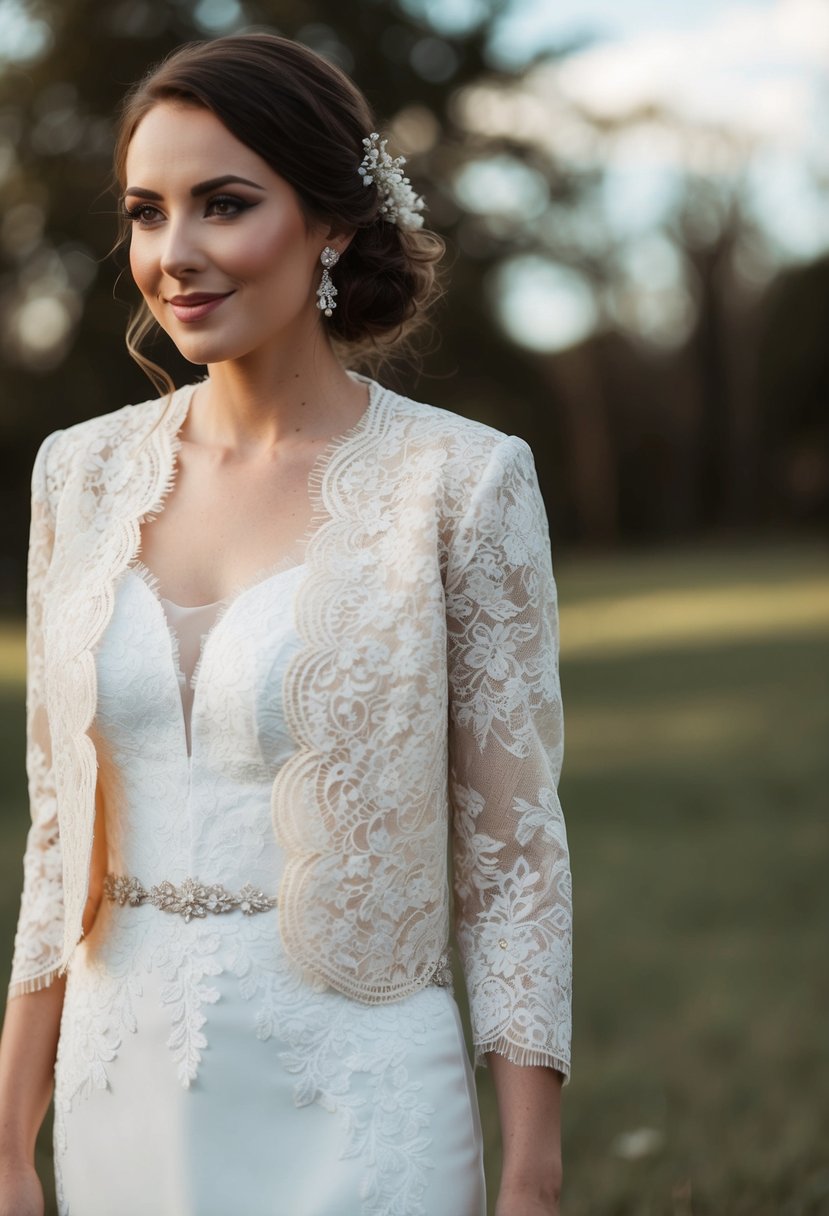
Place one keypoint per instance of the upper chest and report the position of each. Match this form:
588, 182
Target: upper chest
226, 519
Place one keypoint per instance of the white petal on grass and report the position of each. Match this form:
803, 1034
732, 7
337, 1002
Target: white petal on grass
638, 1144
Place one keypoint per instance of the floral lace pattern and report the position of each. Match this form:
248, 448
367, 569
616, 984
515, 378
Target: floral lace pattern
512, 875
422, 697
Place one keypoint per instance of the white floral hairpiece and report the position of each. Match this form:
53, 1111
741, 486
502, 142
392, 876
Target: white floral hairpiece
398, 202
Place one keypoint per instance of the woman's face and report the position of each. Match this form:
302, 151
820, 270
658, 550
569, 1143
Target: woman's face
247, 241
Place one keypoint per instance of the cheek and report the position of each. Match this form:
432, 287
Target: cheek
141, 268
278, 255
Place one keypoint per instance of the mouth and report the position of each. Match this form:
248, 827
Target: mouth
194, 307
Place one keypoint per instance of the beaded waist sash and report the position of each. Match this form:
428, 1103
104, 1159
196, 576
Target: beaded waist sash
193, 898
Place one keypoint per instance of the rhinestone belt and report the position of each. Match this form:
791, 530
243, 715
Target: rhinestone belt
191, 898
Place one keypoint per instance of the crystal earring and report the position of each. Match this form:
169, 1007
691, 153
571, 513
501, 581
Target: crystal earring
326, 290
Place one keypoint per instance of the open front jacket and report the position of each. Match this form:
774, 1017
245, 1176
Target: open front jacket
424, 704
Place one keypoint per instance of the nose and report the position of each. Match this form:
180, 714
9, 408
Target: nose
181, 253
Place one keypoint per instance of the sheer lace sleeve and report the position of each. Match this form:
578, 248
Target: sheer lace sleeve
510, 856
39, 937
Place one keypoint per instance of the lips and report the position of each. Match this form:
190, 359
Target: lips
197, 297
194, 307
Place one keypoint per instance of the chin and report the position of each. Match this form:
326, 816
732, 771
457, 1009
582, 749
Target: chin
204, 349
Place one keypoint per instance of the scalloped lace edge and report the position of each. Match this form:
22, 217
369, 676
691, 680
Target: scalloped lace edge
162, 444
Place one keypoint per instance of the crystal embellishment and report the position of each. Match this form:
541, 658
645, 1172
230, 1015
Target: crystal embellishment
326, 290
189, 899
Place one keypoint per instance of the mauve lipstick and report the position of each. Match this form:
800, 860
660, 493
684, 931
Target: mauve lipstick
195, 306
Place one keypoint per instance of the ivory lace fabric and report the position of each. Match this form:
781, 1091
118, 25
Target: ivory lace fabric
422, 701
198, 1072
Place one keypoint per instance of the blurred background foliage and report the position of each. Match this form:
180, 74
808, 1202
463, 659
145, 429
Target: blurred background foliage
669, 367
675, 384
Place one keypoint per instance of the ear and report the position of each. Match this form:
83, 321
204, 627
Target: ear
339, 238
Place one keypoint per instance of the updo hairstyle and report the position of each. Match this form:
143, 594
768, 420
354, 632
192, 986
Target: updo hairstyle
307, 120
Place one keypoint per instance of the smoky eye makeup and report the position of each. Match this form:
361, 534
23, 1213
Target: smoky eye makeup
135, 214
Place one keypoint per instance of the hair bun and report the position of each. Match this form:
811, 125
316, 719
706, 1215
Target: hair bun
384, 280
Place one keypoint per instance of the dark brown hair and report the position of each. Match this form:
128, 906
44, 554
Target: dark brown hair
307, 120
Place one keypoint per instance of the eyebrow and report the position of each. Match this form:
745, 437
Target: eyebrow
201, 188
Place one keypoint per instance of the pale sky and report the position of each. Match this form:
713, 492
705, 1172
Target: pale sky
536, 24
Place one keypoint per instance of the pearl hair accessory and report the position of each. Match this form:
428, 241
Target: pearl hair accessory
326, 290
399, 203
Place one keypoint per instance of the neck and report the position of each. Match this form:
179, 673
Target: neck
275, 399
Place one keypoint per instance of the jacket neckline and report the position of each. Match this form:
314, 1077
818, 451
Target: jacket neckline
174, 417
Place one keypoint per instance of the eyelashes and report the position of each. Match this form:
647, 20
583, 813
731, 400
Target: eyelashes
136, 214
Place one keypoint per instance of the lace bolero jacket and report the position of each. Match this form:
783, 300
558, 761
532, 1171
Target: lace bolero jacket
423, 700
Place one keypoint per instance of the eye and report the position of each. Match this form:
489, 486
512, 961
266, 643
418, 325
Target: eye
135, 214
228, 200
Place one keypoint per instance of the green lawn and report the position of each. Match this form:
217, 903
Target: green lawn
695, 779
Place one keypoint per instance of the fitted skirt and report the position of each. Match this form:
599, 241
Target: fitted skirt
191, 1080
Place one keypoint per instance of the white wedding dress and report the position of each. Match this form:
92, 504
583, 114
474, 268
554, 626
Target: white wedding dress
198, 1072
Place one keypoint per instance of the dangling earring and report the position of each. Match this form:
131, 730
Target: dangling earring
326, 290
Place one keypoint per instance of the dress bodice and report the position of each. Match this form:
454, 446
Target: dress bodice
189, 720
189, 626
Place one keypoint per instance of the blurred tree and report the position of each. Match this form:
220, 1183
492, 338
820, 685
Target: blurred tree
794, 398
699, 409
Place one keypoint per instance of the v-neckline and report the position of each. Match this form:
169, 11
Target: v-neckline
169, 425
145, 576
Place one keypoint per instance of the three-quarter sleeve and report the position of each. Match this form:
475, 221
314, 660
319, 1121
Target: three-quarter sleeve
39, 938
513, 907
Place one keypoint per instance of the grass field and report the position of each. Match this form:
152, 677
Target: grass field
695, 789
